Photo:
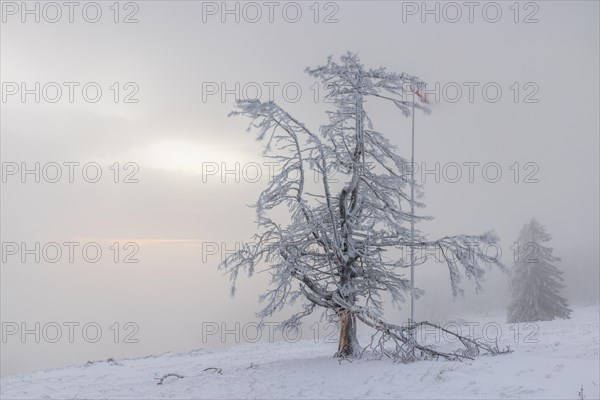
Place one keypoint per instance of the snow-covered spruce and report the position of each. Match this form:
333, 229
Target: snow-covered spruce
536, 283
333, 252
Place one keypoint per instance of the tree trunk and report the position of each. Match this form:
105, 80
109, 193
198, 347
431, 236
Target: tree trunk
348, 345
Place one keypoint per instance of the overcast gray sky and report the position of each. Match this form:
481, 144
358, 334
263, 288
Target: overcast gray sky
531, 114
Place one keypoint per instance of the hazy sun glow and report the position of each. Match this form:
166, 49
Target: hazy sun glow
188, 157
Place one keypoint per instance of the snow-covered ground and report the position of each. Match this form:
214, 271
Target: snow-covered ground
555, 362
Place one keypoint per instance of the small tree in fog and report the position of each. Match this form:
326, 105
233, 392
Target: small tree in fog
536, 282
333, 250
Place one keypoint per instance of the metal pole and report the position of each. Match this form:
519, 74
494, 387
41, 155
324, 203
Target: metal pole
412, 220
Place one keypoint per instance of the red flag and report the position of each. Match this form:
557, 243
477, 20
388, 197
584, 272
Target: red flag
421, 96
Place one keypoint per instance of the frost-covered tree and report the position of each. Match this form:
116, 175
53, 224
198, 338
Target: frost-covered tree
536, 282
336, 248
